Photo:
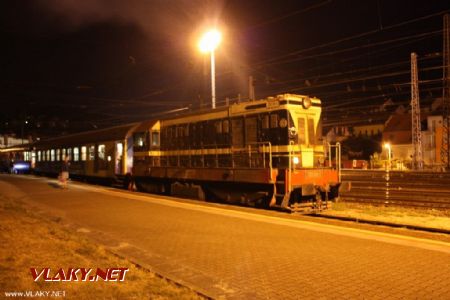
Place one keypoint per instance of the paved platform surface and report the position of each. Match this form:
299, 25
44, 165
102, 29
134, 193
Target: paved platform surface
242, 254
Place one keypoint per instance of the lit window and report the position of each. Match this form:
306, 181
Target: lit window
64, 154
76, 154
39, 156
58, 154
83, 153
69, 153
52, 155
101, 152
91, 152
48, 155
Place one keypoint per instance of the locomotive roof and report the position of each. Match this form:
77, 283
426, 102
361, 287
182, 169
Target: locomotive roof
248, 106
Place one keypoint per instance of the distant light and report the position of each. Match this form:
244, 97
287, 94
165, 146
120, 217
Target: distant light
387, 145
21, 166
296, 160
26, 122
210, 41
109, 158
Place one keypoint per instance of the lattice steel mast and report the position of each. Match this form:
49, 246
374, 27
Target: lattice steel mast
445, 151
415, 112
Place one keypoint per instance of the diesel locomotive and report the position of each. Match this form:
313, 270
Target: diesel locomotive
265, 153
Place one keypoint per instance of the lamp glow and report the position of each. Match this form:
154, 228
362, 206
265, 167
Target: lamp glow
210, 41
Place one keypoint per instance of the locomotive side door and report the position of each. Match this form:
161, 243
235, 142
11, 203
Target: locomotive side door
251, 131
237, 133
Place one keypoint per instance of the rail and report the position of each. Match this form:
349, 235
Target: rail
429, 190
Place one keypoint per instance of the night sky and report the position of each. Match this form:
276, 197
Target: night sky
71, 65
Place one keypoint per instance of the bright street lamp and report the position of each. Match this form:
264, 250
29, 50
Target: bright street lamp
388, 147
209, 43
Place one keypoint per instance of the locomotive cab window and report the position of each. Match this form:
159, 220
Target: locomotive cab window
273, 121
301, 130
155, 138
140, 141
265, 122
311, 132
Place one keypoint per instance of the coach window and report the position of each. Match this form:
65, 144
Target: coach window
52, 155
101, 152
76, 154
48, 155
92, 152
39, 156
83, 153
69, 153
58, 154
155, 138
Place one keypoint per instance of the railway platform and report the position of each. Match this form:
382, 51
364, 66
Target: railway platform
239, 253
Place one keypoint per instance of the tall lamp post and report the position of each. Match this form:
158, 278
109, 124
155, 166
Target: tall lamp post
209, 43
388, 147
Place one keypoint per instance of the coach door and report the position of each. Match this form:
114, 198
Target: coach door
90, 162
119, 159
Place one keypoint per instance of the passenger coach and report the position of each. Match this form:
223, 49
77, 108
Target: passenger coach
102, 155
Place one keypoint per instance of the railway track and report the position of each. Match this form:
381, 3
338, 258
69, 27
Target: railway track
398, 188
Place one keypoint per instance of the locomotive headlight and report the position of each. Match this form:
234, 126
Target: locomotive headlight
306, 103
295, 160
